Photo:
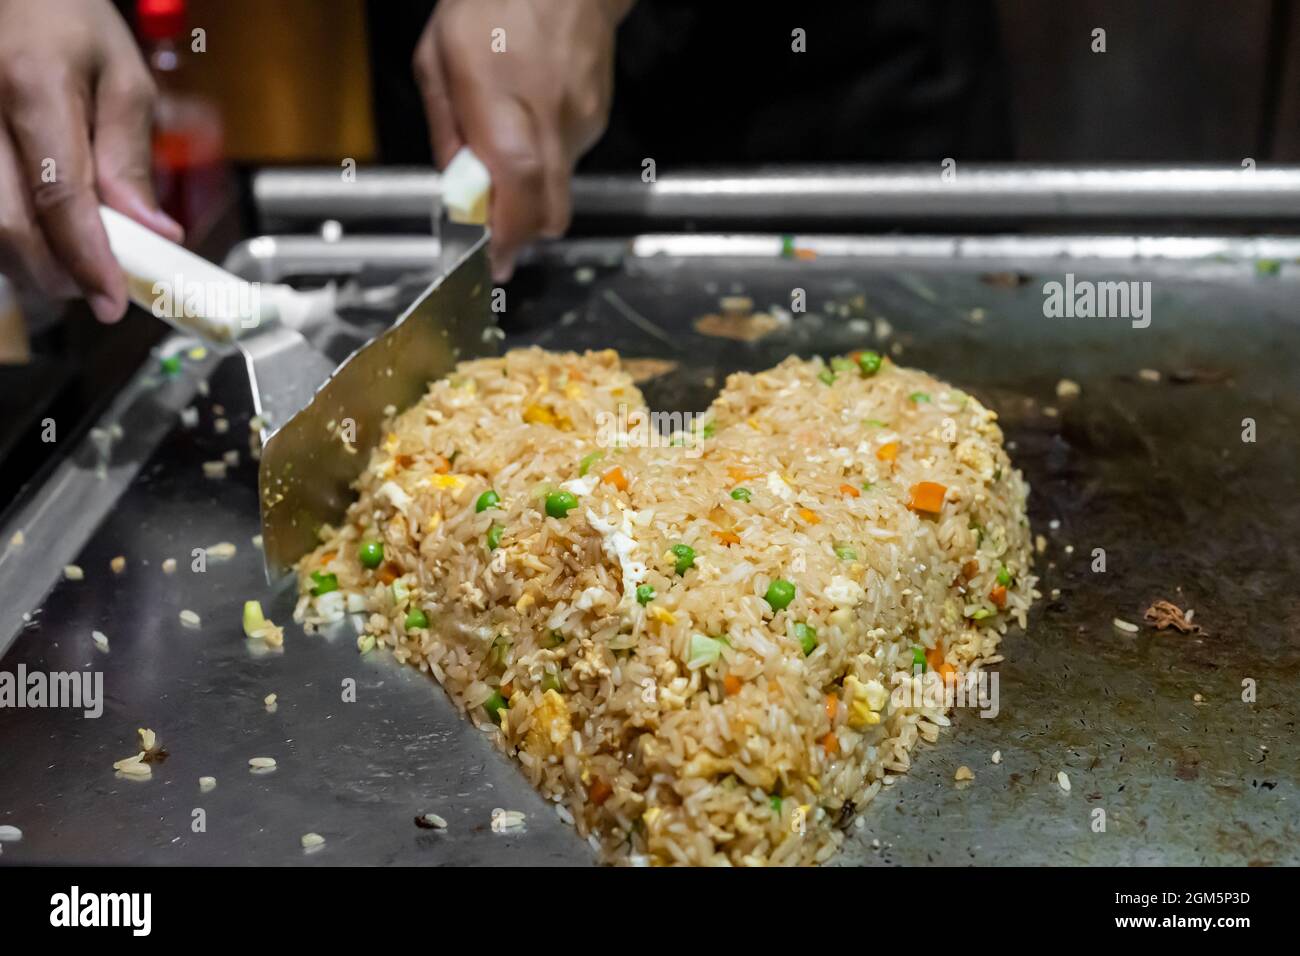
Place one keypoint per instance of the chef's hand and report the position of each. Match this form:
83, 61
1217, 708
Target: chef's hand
528, 111
76, 106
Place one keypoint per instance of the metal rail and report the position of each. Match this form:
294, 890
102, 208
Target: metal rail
975, 193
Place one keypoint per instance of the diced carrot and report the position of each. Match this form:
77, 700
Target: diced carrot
576, 375
616, 478
947, 672
599, 791
831, 744
806, 255
507, 689
739, 474
387, 574
404, 461
732, 684
727, 537
328, 556
832, 707
927, 496
809, 516
850, 491
441, 465
888, 451
999, 596
934, 657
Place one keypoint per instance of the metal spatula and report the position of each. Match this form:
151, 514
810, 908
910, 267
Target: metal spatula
319, 422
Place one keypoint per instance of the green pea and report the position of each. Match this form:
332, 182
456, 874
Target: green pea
806, 635
919, 397
325, 583
494, 705
1004, 576
489, 499
560, 503
493, 537
371, 554
416, 617
740, 494
644, 594
685, 555
779, 594
869, 363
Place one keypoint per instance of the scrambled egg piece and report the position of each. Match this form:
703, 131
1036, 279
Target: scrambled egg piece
551, 726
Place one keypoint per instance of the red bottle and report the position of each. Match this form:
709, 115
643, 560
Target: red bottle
190, 174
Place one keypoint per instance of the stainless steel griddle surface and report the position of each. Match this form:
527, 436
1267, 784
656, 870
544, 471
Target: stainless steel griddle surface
1157, 475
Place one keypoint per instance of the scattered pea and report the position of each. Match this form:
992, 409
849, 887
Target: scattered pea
371, 554
1004, 576
325, 583
489, 499
560, 503
493, 537
494, 705
741, 494
779, 594
644, 594
868, 363
806, 635
416, 617
685, 555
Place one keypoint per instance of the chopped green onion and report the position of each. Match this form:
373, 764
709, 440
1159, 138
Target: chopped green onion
845, 553
740, 494
775, 803
710, 429
557, 638
494, 705
841, 363
644, 594
560, 503
787, 247
806, 635
1004, 576
919, 397
493, 537
500, 651
918, 659
1268, 267
325, 583
779, 594
489, 499
416, 617
371, 554
704, 651
254, 620
685, 555
868, 363
981, 613
826, 376
875, 423
551, 681
587, 461
400, 591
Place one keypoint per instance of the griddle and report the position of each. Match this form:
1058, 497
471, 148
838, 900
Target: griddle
1156, 474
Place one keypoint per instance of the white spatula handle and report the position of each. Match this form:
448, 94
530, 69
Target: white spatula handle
180, 288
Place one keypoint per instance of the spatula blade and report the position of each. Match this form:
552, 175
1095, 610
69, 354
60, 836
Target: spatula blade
309, 464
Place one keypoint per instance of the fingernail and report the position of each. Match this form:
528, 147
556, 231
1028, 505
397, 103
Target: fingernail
105, 309
503, 267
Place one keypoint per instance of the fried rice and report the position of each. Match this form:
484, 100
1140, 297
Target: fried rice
853, 533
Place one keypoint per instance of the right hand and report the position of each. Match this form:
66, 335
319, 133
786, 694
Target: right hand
529, 112
76, 109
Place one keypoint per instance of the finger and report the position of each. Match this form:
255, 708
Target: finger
502, 132
444, 134
122, 133
557, 176
24, 255
50, 125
